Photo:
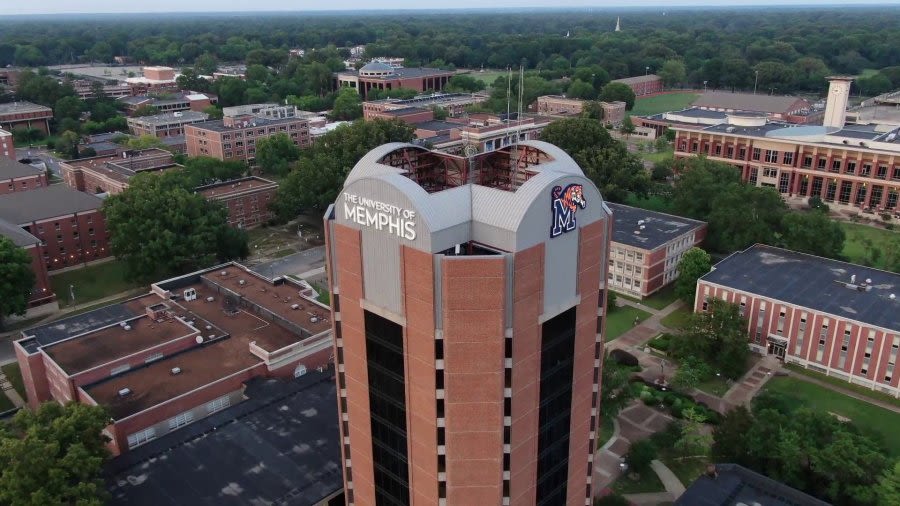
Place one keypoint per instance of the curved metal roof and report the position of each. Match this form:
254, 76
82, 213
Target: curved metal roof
376, 66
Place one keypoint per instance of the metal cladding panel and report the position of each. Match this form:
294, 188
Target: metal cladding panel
560, 272
494, 236
536, 221
386, 190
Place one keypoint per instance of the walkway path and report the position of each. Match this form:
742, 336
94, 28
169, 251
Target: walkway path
743, 391
667, 477
634, 423
647, 329
10, 392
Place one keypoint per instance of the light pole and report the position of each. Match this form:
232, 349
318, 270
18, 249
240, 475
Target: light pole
647, 70
704, 86
755, 82
72, 294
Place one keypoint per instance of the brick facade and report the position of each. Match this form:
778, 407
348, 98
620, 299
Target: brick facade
235, 138
247, 200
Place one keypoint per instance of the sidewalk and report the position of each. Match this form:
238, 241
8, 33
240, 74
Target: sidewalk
634, 423
743, 391
647, 329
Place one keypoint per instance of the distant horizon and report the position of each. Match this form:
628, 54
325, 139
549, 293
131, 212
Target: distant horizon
214, 7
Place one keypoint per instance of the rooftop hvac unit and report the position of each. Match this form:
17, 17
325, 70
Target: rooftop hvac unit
125, 392
176, 370
892, 296
209, 327
190, 294
210, 299
198, 339
242, 282
223, 273
295, 306
211, 336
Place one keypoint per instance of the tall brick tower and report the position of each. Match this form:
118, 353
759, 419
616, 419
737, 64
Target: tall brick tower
467, 338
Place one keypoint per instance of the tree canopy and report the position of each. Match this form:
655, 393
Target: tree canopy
159, 228
322, 169
694, 263
276, 154
54, 456
717, 336
16, 279
607, 162
618, 92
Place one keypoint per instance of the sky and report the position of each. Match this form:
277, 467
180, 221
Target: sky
211, 6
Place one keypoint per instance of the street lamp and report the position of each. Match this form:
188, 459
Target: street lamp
755, 82
704, 86
646, 70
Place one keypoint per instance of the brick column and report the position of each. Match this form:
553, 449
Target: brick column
795, 184
853, 191
868, 201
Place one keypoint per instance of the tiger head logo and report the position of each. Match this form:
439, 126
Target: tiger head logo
564, 202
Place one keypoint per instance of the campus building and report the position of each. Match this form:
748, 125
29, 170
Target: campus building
42, 293
646, 248
170, 102
642, 85
247, 200
19, 177
562, 106
170, 124
466, 294
851, 165
86, 89
235, 137
833, 317
480, 133
7, 145
242, 451
110, 174
153, 79
179, 353
25, 115
453, 103
382, 76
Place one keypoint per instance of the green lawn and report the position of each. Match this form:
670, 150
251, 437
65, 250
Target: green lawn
489, 76
651, 203
855, 234
662, 298
606, 430
621, 320
677, 319
687, 469
657, 156
5, 403
868, 392
14, 375
92, 282
648, 482
663, 103
870, 419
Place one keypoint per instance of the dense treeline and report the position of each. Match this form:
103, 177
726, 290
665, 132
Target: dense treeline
791, 49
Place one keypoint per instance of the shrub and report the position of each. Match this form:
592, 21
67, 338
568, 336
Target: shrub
622, 357
612, 500
816, 203
640, 455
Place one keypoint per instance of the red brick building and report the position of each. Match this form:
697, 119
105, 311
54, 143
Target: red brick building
18, 177
234, 138
183, 351
557, 105
468, 344
833, 317
454, 103
247, 200
170, 124
409, 115
642, 85
170, 102
646, 247
111, 173
25, 115
381, 76
67, 222
7, 145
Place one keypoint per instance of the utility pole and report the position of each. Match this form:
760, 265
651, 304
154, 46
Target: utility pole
755, 82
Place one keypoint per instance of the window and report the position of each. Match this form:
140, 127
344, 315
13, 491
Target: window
218, 404
756, 153
743, 308
771, 156
882, 172
851, 167
181, 420
788, 158
743, 153
807, 162
866, 170
141, 437
822, 162
729, 152
835, 166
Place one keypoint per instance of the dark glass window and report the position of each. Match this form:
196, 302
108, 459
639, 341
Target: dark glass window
555, 411
387, 403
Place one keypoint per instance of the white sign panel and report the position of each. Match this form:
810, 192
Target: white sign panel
380, 215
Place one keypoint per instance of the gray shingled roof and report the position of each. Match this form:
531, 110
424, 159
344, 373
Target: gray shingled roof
50, 202
813, 282
659, 228
775, 104
17, 235
10, 169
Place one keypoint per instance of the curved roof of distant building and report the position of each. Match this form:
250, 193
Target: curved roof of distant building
376, 66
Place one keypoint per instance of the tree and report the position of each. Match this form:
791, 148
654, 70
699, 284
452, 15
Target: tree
215, 112
145, 141
672, 73
68, 107
694, 439
743, 215
206, 64
640, 455
662, 170
16, 279
627, 127
691, 372
398, 93
322, 168
54, 456
888, 489
716, 336
615, 393
464, 83
67, 144
730, 436
620, 92
581, 89
347, 105
276, 154
817, 204
813, 233
694, 263
701, 178
161, 229
612, 499
204, 170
